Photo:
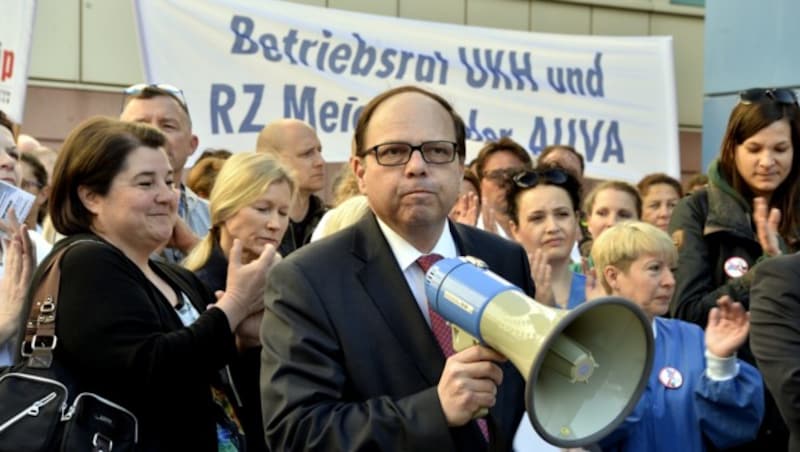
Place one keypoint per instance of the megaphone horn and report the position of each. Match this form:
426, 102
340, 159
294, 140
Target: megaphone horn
585, 368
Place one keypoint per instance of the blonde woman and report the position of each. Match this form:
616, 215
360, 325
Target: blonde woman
698, 391
250, 202
609, 203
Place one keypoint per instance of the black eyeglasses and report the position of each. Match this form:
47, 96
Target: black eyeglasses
530, 179
173, 91
399, 153
756, 95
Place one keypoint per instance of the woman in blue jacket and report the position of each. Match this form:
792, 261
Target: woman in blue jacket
698, 390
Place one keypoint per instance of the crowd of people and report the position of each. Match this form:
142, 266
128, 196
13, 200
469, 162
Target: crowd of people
199, 302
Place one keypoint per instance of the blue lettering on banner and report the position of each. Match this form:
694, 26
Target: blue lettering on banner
219, 108
578, 81
328, 53
364, 59
269, 47
387, 60
490, 65
288, 44
331, 114
223, 98
477, 133
592, 134
242, 28
247, 123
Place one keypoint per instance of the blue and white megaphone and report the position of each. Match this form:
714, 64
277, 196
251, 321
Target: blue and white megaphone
584, 368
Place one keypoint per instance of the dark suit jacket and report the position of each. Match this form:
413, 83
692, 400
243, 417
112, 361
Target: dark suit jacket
349, 362
775, 335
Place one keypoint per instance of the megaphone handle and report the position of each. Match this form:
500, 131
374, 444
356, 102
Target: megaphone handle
461, 339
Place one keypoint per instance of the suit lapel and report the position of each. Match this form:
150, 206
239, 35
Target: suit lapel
464, 244
386, 285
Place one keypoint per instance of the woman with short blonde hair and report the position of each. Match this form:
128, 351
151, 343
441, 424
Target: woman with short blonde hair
698, 391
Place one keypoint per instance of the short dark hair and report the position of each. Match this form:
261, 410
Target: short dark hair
92, 155
571, 185
658, 178
6, 122
151, 92
554, 147
372, 105
504, 144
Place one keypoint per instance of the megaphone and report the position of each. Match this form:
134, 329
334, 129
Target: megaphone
584, 368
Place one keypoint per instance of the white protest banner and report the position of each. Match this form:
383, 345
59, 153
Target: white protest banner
16, 32
244, 63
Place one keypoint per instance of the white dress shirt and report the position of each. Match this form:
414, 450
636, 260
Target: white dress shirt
406, 256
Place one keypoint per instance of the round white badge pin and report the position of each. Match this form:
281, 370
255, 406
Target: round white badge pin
670, 377
736, 267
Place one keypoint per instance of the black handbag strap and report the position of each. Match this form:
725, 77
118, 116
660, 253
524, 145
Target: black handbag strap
40, 329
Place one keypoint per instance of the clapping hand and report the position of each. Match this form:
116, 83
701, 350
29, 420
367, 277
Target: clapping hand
489, 218
19, 264
10, 225
727, 328
246, 283
594, 289
541, 272
465, 210
767, 223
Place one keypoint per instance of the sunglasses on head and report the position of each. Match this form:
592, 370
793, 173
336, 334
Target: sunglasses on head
530, 179
139, 88
501, 174
757, 95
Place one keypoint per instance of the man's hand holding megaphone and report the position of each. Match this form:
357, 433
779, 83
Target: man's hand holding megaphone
469, 383
584, 368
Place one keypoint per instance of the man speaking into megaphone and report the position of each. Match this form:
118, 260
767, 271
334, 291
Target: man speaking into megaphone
353, 358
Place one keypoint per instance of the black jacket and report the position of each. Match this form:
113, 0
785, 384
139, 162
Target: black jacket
122, 339
299, 234
775, 334
245, 368
711, 227
349, 362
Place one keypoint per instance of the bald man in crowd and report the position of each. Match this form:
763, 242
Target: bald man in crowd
296, 144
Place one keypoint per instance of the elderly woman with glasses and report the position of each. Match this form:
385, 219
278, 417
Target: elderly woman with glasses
749, 212
543, 209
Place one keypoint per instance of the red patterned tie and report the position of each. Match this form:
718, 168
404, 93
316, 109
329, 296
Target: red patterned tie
442, 331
